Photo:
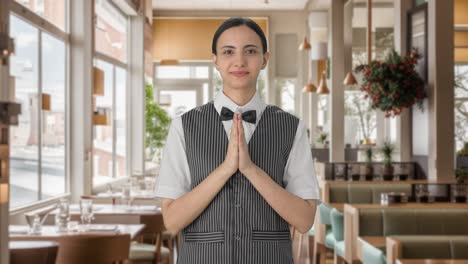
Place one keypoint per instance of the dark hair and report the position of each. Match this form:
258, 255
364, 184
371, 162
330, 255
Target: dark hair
235, 22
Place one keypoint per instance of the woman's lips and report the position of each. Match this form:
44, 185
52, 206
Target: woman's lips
239, 73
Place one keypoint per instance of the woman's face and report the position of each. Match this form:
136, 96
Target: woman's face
239, 57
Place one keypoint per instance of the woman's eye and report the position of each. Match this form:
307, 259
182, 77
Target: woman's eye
251, 51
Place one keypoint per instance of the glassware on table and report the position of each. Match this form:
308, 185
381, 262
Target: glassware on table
459, 193
72, 226
36, 225
149, 184
63, 215
422, 193
126, 199
86, 212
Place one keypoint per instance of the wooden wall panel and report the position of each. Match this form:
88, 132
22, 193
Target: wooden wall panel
187, 38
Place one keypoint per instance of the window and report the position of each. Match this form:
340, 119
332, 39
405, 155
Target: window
286, 87
461, 105
110, 30
109, 151
52, 10
38, 143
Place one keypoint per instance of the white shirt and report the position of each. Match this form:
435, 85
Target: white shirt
174, 175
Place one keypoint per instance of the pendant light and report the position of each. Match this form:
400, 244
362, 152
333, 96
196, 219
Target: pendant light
305, 45
323, 88
309, 88
350, 79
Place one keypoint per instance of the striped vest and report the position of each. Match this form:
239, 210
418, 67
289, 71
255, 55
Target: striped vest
238, 226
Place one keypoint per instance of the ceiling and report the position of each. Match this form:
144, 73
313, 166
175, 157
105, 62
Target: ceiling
229, 4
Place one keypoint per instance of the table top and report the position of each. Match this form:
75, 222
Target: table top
109, 209
432, 261
338, 182
19, 245
133, 195
410, 205
21, 231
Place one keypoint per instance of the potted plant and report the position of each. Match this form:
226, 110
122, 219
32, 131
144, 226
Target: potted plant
461, 174
157, 124
462, 156
321, 139
367, 169
393, 84
387, 150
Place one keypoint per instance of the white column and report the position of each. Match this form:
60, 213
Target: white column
81, 69
441, 92
137, 94
336, 102
403, 124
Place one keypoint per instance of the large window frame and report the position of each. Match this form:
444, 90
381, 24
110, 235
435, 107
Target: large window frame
44, 26
116, 63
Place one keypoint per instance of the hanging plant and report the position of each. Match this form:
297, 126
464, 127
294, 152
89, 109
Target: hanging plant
393, 84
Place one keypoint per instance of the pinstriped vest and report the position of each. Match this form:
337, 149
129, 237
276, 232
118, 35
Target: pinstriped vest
238, 226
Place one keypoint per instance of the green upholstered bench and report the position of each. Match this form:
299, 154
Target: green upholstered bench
363, 193
406, 221
427, 247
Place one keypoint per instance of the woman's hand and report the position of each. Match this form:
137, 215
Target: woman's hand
231, 162
245, 163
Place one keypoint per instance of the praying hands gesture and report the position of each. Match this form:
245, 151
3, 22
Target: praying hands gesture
237, 157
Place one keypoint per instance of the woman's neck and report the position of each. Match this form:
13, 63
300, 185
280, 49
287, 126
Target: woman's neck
240, 96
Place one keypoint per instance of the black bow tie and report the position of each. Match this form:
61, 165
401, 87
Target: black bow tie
248, 116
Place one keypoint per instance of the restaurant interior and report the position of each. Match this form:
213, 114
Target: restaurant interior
88, 90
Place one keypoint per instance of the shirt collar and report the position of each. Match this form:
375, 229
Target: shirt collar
256, 103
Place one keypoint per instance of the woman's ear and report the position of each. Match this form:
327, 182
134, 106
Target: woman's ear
266, 57
215, 60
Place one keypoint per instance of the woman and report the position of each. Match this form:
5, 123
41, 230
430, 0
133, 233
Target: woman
236, 173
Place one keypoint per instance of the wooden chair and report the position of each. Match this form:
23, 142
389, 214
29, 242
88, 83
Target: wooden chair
99, 248
152, 252
43, 252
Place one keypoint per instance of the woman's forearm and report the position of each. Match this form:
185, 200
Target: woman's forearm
296, 211
181, 212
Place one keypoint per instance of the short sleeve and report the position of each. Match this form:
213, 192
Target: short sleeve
299, 174
174, 174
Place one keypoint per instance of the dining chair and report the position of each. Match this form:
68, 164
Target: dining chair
153, 251
96, 248
42, 252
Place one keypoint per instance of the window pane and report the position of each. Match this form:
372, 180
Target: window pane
173, 72
360, 119
24, 151
201, 72
53, 122
110, 31
287, 94
52, 10
461, 105
120, 119
179, 101
103, 137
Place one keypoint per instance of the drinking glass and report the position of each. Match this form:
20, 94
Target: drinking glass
86, 211
63, 215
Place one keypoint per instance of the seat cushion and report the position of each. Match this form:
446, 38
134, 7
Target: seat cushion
325, 210
337, 223
373, 255
330, 240
140, 251
340, 248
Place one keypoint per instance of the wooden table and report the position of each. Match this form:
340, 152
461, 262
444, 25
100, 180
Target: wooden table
21, 231
351, 220
432, 261
376, 241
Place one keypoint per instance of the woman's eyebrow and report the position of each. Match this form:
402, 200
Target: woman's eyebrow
250, 46
228, 47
